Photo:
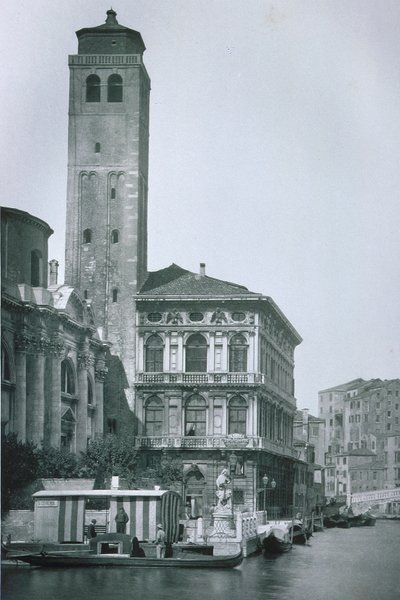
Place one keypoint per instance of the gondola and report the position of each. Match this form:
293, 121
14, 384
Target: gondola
63, 559
277, 541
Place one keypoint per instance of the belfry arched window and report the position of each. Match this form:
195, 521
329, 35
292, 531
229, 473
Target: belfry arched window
237, 415
195, 415
114, 88
93, 88
67, 378
154, 416
154, 354
196, 354
87, 236
238, 354
115, 236
36, 268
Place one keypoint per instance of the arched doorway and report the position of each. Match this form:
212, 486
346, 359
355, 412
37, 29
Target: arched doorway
195, 484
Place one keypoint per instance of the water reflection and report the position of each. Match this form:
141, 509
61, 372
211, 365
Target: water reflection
353, 564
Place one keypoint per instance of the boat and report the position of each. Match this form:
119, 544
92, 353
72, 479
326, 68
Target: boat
298, 533
113, 550
366, 519
88, 559
337, 520
277, 541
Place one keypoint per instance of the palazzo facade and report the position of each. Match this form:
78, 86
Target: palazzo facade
215, 386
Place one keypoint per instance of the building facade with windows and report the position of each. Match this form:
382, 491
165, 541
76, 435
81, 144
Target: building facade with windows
214, 386
360, 415
53, 361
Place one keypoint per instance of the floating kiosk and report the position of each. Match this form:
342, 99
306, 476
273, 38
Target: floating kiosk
59, 516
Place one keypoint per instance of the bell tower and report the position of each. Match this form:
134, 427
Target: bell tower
106, 233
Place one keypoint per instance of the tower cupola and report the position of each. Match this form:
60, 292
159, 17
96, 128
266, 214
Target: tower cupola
110, 38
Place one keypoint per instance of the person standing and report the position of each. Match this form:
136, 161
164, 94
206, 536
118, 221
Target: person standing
121, 519
160, 541
92, 529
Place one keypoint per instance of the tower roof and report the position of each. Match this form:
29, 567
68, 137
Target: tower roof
99, 39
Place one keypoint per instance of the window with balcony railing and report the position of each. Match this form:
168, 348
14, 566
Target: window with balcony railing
237, 415
195, 415
196, 354
154, 354
154, 416
238, 354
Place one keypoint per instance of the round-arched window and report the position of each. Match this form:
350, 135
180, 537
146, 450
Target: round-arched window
154, 354
238, 354
114, 88
196, 354
195, 415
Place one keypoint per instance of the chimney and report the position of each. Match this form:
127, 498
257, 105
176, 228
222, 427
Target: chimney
202, 269
53, 272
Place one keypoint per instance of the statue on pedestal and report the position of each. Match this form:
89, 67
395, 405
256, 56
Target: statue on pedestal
223, 493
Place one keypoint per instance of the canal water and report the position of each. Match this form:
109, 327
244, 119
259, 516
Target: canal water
361, 563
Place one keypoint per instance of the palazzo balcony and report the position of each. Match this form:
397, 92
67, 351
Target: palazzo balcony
220, 442
200, 378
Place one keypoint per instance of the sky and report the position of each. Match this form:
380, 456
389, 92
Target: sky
274, 155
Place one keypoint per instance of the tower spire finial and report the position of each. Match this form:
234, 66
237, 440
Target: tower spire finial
111, 17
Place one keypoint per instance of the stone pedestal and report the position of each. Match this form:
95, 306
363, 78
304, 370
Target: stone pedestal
223, 526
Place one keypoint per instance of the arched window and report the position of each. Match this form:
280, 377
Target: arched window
93, 88
238, 354
196, 354
154, 354
87, 236
195, 415
67, 378
115, 236
36, 268
97, 147
154, 416
89, 391
237, 415
114, 88
115, 295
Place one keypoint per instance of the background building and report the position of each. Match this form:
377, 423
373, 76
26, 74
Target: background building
53, 362
360, 416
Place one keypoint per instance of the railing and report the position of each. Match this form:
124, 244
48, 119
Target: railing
376, 496
199, 378
210, 442
104, 59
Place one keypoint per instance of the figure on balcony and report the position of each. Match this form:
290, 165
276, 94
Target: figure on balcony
223, 493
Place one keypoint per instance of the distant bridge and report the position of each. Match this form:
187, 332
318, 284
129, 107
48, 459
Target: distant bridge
375, 497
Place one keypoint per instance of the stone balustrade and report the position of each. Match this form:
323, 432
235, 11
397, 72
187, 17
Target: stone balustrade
200, 378
214, 442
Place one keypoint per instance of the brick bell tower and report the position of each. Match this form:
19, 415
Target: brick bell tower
106, 232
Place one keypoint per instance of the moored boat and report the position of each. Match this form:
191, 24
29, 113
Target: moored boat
277, 541
113, 550
88, 559
300, 534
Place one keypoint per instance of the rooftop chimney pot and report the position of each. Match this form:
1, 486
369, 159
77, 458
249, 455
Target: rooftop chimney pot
202, 269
